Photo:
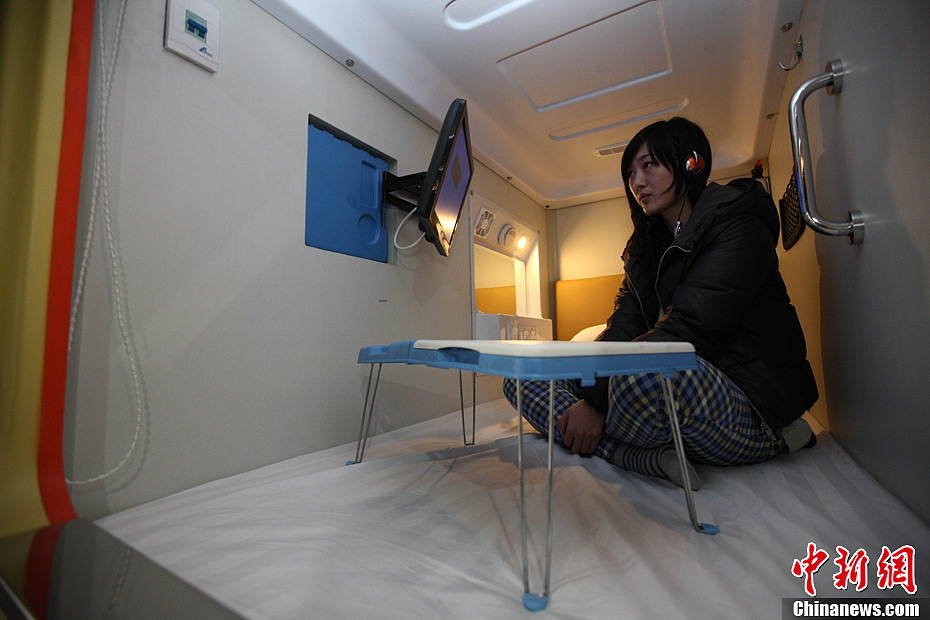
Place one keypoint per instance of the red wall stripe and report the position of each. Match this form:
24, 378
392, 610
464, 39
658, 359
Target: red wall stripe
51, 473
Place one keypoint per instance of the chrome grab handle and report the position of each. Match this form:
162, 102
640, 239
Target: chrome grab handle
854, 226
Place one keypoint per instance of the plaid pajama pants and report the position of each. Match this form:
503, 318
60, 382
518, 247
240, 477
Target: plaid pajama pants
717, 422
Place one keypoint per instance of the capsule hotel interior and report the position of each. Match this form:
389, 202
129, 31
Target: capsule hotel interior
188, 286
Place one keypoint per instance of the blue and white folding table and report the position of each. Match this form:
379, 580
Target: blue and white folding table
545, 361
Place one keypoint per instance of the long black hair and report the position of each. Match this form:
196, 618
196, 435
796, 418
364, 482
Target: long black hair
670, 143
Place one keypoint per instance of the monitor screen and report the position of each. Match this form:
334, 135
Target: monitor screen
445, 185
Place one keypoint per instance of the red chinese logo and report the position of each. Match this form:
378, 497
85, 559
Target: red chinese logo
897, 568
894, 568
808, 566
852, 568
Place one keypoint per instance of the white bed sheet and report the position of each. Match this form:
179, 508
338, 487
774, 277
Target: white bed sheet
427, 528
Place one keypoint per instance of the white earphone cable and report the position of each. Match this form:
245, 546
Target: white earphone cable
401, 225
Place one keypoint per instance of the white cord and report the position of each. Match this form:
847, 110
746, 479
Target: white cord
401, 225
101, 185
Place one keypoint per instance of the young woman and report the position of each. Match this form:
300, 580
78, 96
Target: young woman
700, 267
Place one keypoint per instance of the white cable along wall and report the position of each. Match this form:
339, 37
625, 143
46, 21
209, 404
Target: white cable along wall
101, 192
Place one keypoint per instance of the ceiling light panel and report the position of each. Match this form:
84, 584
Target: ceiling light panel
618, 51
659, 108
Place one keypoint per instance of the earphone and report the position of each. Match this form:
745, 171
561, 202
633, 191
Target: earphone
694, 164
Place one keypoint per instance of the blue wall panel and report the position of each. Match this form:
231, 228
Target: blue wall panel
344, 209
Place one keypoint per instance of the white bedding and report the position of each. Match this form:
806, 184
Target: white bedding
427, 528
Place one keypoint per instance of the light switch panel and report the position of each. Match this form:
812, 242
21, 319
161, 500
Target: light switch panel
192, 31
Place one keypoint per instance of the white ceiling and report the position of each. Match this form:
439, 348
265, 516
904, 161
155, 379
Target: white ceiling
551, 82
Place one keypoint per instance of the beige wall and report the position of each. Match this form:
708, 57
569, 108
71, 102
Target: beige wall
246, 340
591, 237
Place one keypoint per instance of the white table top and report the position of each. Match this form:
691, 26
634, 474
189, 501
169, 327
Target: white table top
541, 348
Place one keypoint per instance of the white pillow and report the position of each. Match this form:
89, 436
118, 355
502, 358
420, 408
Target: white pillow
588, 334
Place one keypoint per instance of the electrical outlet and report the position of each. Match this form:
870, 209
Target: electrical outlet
192, 31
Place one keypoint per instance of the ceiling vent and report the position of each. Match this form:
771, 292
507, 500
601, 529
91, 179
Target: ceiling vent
483, 222
609, 151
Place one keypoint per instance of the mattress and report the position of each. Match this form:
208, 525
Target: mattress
426, 527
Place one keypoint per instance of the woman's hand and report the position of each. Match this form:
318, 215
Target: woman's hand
582, 427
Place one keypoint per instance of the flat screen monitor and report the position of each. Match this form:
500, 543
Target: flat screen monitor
445, 184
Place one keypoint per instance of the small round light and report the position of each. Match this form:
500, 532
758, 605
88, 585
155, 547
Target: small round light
521, 243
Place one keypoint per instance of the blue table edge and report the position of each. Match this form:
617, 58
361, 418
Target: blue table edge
586, 368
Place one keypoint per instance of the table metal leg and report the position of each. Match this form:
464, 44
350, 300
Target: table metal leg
545, 596
536, 602
672, 409
367, 415
462, 397
526, 574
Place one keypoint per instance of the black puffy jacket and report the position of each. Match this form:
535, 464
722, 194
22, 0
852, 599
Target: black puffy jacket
718, 287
